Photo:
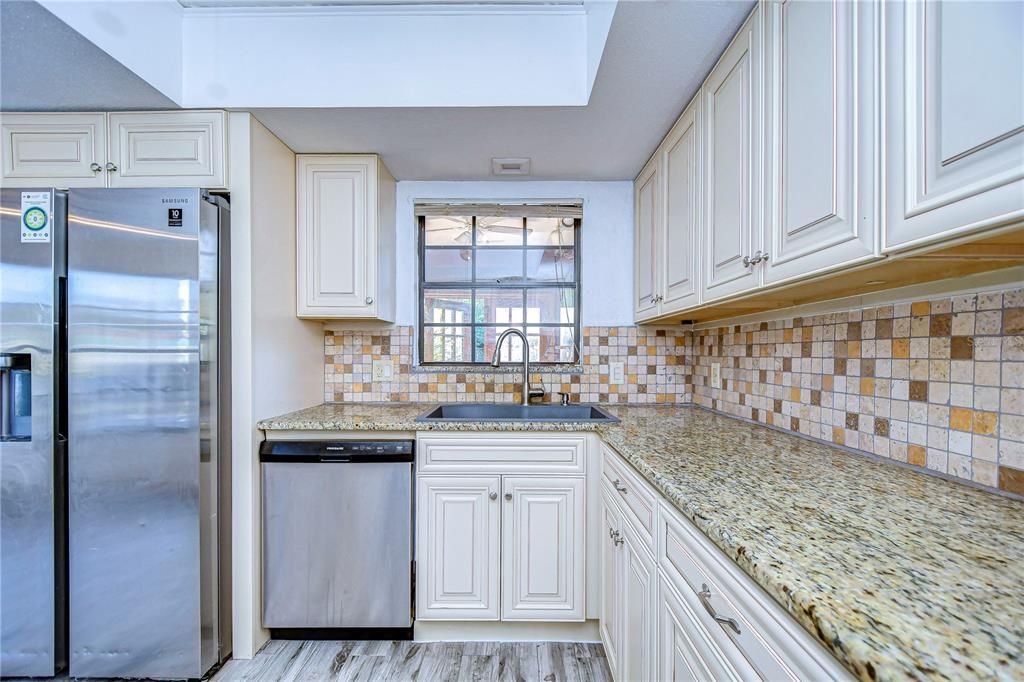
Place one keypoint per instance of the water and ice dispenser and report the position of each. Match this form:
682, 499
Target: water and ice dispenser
15, 396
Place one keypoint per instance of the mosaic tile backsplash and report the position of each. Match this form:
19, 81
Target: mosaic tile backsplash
937, 384
653, 360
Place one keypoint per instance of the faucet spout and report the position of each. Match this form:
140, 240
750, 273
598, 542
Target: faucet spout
496, 360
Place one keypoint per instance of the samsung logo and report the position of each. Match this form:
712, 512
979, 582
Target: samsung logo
174, 201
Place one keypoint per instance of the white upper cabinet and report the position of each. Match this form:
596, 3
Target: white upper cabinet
648, 210
542, 577
346, 237
141, 149
172, 149
731, 103
954, 118
64, 150
679, 288
457, 548
819, 136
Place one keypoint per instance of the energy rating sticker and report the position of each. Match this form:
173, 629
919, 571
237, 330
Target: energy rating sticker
36, 208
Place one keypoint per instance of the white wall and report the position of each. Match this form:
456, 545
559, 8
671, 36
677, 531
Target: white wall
277, 359
144, 35
606, 238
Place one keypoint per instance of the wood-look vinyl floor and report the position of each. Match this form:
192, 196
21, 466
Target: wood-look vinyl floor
299, 661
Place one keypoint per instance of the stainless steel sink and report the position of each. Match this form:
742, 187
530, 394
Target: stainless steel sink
489, 412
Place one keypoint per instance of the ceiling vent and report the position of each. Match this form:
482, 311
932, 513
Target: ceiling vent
510, 166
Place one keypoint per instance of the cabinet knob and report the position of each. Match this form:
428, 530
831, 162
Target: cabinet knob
508, 496
758, 257
111, 167
369, 300
618, 486
95, 167
494, 496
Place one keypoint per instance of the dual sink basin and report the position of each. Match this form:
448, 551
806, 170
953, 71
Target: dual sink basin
493, 412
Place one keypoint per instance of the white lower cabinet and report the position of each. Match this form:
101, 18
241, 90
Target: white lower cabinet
499, 536
611, 574
542, 566
457, 547
629, 586
675, 608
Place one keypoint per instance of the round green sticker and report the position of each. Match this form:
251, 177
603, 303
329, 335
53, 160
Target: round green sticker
35, 219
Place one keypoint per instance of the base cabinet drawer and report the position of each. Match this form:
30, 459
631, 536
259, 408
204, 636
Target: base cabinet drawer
637, 498
474, 452
686, 650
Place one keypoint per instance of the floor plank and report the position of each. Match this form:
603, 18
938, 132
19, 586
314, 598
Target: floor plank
373, 661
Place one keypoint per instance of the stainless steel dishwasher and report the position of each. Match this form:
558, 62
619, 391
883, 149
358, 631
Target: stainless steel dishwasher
337, 538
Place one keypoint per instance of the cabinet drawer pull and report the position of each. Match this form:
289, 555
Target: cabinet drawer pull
95, 167
618, 486
111, 167
494, 496
508, 496
616, 537
705, 599
369, 300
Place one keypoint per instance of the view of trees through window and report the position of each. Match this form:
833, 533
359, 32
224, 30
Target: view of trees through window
481, 275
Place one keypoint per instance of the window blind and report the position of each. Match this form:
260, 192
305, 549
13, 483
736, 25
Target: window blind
538, 209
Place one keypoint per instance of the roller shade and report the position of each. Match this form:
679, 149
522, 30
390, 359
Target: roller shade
560, 209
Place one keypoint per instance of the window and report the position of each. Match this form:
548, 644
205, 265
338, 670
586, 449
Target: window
487, 271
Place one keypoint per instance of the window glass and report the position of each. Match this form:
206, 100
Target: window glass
482, 275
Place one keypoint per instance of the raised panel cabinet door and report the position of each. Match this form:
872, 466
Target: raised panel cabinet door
611, 576
543, 549
731, 103
686, 651
336, 223
820, 143
638, 588
64, 150
457, 545
647, 199
682, 211
954, 117
167, 149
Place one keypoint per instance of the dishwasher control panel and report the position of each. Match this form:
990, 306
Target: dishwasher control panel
337, 451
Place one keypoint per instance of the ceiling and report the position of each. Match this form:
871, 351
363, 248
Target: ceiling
656, 55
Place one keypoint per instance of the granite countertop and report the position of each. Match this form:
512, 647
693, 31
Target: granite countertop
900, 574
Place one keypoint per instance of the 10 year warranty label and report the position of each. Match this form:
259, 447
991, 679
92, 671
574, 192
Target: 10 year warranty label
36, 208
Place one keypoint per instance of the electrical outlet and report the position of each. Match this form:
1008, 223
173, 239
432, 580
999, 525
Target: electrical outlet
618, 373
382, 370
716, 375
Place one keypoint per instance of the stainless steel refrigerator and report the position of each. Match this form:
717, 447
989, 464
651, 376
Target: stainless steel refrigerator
114, 449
